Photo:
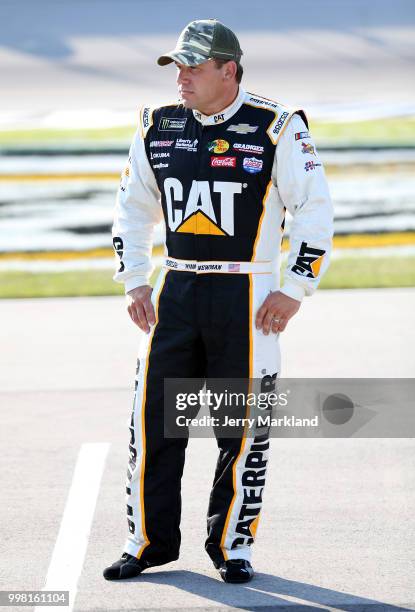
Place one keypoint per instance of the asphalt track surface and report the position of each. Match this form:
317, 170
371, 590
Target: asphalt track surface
84, 54
337, 527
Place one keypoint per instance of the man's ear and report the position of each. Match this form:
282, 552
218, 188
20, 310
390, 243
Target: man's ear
230, 70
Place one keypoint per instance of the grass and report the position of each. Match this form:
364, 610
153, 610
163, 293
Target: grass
347, 273
389, 131
355, 273
58, 284
48, 136
392, 131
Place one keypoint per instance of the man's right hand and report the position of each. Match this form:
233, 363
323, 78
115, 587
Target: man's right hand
140, 307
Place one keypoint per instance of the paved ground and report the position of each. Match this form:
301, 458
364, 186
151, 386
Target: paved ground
101, 54
337, 527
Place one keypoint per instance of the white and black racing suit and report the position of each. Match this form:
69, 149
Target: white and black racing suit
223, 184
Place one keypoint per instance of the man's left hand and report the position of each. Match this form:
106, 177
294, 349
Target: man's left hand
275, 312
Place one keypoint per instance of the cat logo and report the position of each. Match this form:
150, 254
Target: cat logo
309, 261
253, 482
119, 249
197, 216
253, 478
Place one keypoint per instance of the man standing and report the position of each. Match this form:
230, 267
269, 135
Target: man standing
222, 166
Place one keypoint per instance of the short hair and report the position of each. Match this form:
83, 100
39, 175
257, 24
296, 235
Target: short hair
239, 70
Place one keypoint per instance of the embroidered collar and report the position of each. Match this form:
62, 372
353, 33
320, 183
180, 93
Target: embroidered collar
224, 114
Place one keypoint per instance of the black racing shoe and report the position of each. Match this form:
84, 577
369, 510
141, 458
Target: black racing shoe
126, 567
236, 571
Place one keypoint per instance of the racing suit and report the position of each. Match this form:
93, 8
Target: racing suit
222, 183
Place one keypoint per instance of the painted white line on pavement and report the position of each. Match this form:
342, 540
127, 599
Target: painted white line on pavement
292, 600
72, 541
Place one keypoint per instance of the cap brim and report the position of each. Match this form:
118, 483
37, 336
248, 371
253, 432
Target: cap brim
163, 60
181, 57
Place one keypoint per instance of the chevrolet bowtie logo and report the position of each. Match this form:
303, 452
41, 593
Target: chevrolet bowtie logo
243, 128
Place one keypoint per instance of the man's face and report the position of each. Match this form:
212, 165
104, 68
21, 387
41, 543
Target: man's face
199, 86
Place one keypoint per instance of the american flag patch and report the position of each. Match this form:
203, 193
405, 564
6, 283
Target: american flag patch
234, 267
300, 135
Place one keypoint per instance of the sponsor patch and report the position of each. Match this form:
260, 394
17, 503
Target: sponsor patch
252, 165
218, 146
223, 162
253, 482
243, 128
186, 144
190, 211
119, 249
301, 135
261, 102
146, 118
308, 148
280, 123
310, 165
161, 143
248, 148
309, 261
159, 155
125, 175
171, 263
170, 124
157, 166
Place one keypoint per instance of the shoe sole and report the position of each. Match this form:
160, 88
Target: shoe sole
118, 578
236, 580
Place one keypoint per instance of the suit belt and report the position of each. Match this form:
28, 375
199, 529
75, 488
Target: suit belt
220, 267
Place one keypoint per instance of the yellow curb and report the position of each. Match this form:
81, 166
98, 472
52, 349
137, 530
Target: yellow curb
65, 255
365, 241
358, 241
97, 176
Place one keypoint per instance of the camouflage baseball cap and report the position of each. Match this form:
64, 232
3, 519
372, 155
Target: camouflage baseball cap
201, 40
